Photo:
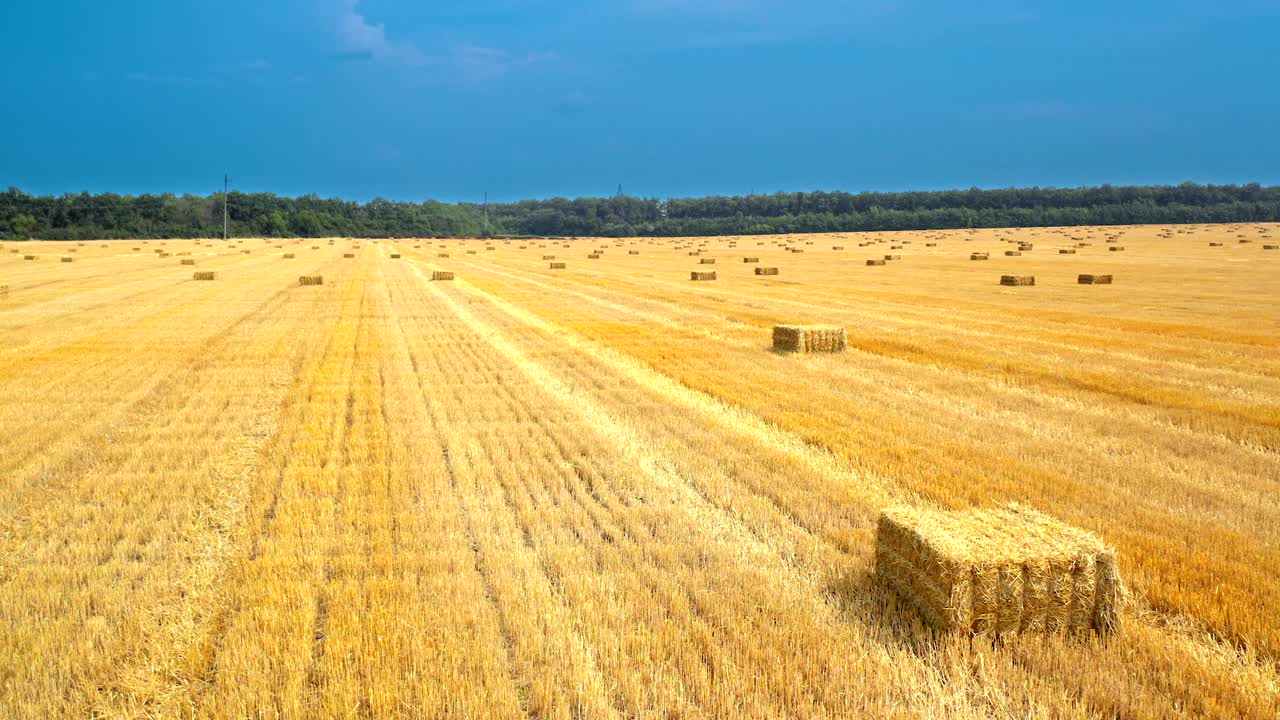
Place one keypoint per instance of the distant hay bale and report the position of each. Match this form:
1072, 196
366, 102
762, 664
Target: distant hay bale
204, 275
707, 261
837, 247
876, 261
289, 256
978, 256
311, 280
4, 291
548, 257
67, 259
892, 257
750, 259
1017, 280
186, 261
244, 252
895, 247
1215, 244
1066, 251
1000, 570
1116, 248
395, 256
809, 338
694, 252
441, 274
1271, 247
1087, 279
633, 252
696, 275
443, 255
558, 266
28, 257
931, 244
1012, 253
471, 252
766, 271
593, 256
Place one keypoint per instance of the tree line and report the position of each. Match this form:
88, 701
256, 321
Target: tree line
85, 216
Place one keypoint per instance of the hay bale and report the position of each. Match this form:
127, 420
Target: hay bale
1001, 570
67, 259
289, 256
931, 244
548, 257
892, 257
593, 256
443, 255
395, 256
1116, 248
4, 291
978, 256
1066, 251
766, 271
809, 338
876, 261
895, 247
441, 274
750, 259
557, 266
1012, 253
707, 261
1271, 247
837, 247
1087, 279
633, 252
311, 280
28, 257
204, 275
348, 255
186, 261
1215, 244
696, 275
1017, 280
1024, 247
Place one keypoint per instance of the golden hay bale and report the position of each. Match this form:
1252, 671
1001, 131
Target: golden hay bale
28, 257
766, 271
1017, 280
4, 290
999, 570
186, 261
696, 275
1215, 244
289, 256
348, 255
443, 255
876, 261
633, 252
837, 247
707, 261
548, 257
395, 256
204, 275
244, 252
750, 259
694, 252
593, 256
1116, 248
809, 338
441, 274
895, 247
1012, 253
1085, 279
978, 256
67, 259
892, 257
311, 280
471, 252
1066, 251
931, 244
1271, 247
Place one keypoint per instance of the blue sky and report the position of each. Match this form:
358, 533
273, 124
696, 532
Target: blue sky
411, 100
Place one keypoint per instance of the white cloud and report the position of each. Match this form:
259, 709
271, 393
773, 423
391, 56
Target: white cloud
358, 37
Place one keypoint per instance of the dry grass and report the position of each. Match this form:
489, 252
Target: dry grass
599, 494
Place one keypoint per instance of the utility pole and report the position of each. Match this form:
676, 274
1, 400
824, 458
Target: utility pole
486, 212
225, 182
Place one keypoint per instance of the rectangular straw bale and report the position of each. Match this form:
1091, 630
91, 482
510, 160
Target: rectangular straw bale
593, 256
750, 259
766, 271
204, 275
443, 255
4, 290
893, 257
1002, 570
707, 261
1066, 251
348, 255
68, 259
1116, 248
633, 252
28, 257
548, 257
1012, 253
289, 256
1271, 247
1017, 280
978, 256
809, 338
696, 275
557, 266
186, 261
441, 274
395, 256
311, 280
1085, 279
876, 261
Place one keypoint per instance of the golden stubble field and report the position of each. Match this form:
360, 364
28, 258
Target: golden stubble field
595, 492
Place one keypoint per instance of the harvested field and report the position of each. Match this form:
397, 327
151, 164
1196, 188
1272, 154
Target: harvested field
599, 493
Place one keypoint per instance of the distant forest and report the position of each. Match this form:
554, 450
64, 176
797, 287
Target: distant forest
85, 216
